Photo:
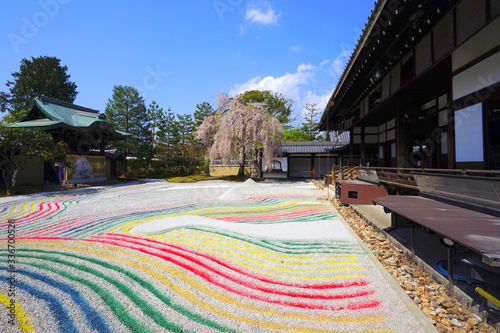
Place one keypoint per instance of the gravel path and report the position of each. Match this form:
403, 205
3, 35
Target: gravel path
207, 257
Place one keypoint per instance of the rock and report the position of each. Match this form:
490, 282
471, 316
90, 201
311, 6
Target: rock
442, 290
428, 312
441, 300
417, 300
445, 321
441, 310
471, 323
425, 298
406, 269
447, 304
431, 287
477, 317
456, 323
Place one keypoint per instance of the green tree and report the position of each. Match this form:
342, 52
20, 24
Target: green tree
202, 111
126, 111
168, 136
309, 125
294, 134
38, 76
275, 104
156, 118
185, 131
18, 144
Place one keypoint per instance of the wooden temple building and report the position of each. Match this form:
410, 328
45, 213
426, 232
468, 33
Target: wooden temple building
86, 132
419, 99
422, 87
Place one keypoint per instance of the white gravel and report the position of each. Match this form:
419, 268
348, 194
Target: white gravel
296, 231
234, 247
233, 195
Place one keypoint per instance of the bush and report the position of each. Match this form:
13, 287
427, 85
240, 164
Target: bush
140, 169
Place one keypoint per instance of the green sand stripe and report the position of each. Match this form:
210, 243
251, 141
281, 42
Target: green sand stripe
116, 307
64, 203
105, 225
145, 284
324, 248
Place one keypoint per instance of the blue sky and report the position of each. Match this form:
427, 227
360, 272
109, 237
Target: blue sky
181, 53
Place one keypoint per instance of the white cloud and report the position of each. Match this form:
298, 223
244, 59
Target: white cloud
294, 49
305, 68
338, 64
324, 62
312, 98
289, 84
261, 14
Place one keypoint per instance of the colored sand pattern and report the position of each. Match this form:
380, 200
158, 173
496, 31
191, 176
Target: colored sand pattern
77, 253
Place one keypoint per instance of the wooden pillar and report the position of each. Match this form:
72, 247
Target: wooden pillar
312, 166
351, 148
401, 158
362, 151
102, 145
451, 139
287, 166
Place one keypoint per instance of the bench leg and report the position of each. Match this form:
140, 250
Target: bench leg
412, 241
451, 283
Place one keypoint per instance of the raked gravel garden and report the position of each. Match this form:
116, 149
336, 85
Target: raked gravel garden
212, 256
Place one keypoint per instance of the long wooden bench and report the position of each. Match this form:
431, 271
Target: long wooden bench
474, 230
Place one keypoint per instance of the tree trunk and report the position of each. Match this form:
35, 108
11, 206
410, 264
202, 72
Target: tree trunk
9, 177
124, 165
241, 171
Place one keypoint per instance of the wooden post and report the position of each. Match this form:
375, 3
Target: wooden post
362, 154
312, 166
351, 148
401, 158
451, 285
287, 166
412, 241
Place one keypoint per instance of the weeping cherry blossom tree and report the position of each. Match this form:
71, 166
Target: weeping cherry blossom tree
237, 131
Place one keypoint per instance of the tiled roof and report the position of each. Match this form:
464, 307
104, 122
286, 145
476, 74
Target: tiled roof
308, 147
54, 114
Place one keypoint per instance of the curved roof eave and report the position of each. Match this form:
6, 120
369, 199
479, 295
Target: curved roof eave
372, 19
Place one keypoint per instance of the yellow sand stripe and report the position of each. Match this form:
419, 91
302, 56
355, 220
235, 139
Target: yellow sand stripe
209, 210
168, 237
209, 238
21, 316
196, 300
249, 245
266, 258
15, 213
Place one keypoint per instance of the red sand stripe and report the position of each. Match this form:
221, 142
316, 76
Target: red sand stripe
273, 217
214, 281
247, 283
251, 275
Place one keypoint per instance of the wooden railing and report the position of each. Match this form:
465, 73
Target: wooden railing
344, 172
405, 177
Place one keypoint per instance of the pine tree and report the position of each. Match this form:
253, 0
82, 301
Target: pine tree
36, 77
126, 111
309, 125
202, 111
185, 131
168, 135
